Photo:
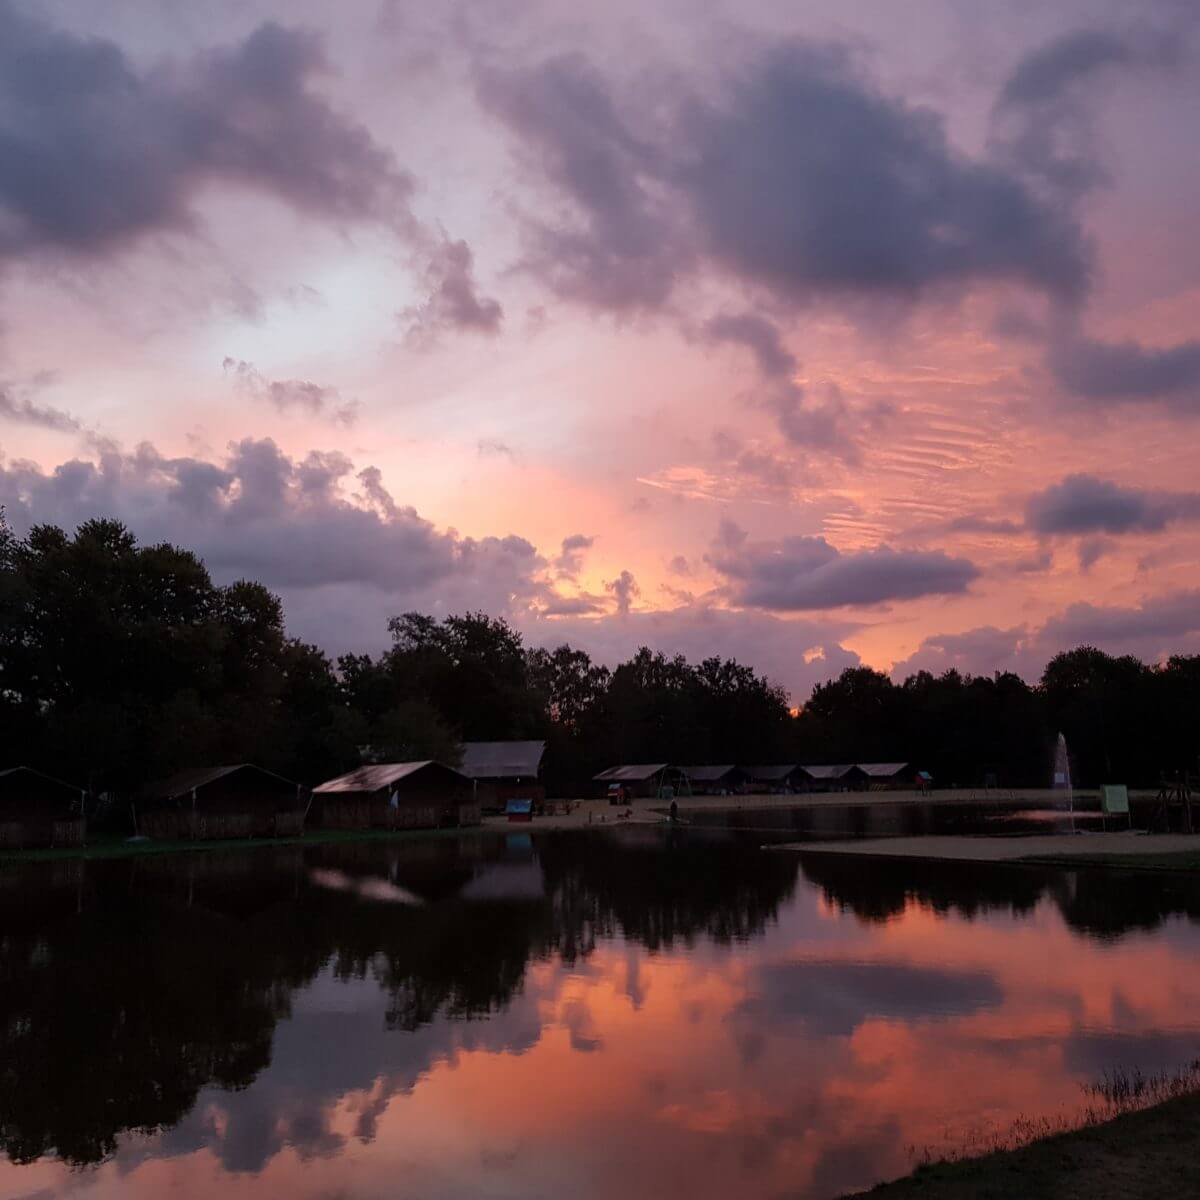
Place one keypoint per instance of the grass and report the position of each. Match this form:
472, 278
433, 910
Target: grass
1135, 1135
117, 845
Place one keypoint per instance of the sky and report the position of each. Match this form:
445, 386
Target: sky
810, 334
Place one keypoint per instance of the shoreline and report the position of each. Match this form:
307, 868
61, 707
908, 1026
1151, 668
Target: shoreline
1148, 1153
1122, 850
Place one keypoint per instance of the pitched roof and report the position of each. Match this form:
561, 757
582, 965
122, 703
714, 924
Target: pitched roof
630, 773
192, 778
830, 772
773, 771
502, 760
708, 774
8, 772
373, 777
881, 770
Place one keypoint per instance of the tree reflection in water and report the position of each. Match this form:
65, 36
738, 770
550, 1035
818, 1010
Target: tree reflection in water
126, 986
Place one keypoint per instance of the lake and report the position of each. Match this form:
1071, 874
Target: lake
641, 1013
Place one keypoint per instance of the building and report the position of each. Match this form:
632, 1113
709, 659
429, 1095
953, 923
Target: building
842, 777
647, 780
39, 810
235, 801
779, 778
410, 795
504, 771
886, 776
715, 780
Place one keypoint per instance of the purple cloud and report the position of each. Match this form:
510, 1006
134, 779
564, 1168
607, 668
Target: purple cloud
1115, 371
1083, 504
807, 573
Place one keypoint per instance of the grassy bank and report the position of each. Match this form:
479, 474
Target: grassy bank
1151, 1154
1136, 1136
103, 845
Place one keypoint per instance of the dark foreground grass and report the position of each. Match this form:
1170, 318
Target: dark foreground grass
1149, 1149
111, 845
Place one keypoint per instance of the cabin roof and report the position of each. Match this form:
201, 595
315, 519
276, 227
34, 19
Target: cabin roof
827, 771
774, 770
881, 770
707, 774
375, 776
502, 760
630, 773
10, 772
191, 779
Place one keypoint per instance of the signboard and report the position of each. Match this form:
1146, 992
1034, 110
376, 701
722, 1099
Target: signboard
1114, 798
519, 809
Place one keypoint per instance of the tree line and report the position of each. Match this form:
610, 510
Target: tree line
120, 663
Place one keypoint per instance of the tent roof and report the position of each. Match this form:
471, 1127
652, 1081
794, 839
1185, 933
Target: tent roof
830, 772
774, 770
630, 773
9, 772
191, 778
708, 774
881, 770
502, 760
373, 777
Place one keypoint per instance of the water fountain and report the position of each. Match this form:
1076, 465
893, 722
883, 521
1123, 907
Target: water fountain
1062, 776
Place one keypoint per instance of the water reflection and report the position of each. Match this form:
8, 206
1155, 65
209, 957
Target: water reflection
648, 1012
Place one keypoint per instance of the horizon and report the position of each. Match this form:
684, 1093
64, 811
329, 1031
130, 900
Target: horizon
806, 337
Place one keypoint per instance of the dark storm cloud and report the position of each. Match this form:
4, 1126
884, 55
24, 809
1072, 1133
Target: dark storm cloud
96, 151
1083, 504
806, 573
25, 411
800, 176
1116, 371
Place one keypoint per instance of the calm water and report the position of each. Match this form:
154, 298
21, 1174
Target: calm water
637, 1014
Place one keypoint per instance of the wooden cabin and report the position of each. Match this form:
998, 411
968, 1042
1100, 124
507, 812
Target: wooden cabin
411, 795
504, 771
222, 802
39, 810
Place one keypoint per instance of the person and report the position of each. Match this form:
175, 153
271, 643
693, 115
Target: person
674, 811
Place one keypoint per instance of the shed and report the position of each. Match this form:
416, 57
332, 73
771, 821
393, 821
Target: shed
504, 771
839, 777
39, 810
884, 776
715, 780
408, 795
647, 780
240, 800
